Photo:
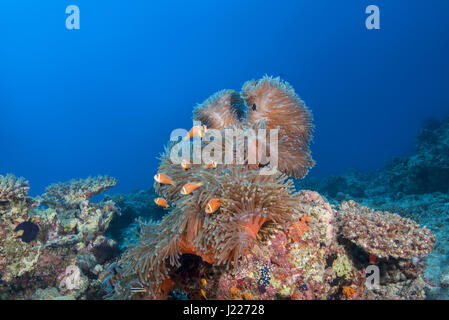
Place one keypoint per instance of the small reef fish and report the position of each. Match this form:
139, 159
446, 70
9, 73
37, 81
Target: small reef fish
196, 132
213, 205
163, 179
185, 164
111, 278
210, 165
161, 202
204, 282
203, 293
189, 187
27, 231
138, 290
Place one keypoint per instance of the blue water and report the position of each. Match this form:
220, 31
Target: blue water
104, 99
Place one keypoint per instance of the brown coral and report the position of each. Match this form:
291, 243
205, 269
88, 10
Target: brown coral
383, 234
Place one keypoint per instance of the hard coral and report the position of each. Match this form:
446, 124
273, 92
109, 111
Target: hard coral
383, 234
12, 188
71, 194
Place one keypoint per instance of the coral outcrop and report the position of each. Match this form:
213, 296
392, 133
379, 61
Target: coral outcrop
384, 234
414, 187
71, 194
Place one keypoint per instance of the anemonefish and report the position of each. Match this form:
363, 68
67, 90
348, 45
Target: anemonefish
161, 202
185, 164
196, 132
213, 205
163, 179
189, 187
203, 293
210, 165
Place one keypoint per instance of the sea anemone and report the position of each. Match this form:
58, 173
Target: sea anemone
221, 238
252, 204
222, 110
275, 102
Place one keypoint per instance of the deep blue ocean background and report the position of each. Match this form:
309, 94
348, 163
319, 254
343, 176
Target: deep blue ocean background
104, 99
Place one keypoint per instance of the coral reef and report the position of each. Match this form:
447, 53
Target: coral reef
265, 241
54, 251
261, 238
415, 187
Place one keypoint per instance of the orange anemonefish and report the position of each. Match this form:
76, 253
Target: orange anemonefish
185, 164
196, 132
163, 179
210, 165
189, 187
161, 202
203, 293
213, 205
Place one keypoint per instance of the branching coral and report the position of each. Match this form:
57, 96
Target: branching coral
384, 234
12, 188
72, 193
